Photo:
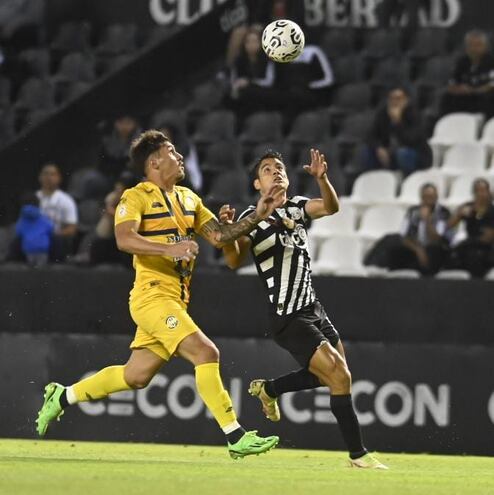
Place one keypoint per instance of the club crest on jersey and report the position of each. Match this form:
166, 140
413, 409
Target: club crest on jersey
171, 322
190, 204
295, 212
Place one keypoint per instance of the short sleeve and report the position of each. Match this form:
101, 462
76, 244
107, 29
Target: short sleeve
203, 214
301, 201
130, 207
69, 209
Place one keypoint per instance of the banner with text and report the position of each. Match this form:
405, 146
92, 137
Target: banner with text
409, 398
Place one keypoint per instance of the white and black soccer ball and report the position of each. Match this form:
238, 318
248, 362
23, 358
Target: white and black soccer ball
283, 40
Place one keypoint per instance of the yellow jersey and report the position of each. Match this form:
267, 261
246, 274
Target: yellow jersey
164, 218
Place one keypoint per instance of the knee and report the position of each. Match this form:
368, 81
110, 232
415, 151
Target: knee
209, 353
136, 380
343, 377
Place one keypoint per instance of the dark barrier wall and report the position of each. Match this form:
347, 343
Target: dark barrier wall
414, 398
69, 300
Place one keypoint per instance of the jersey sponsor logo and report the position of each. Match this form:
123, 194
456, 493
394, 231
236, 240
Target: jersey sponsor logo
157, 204
297, 238
171, 322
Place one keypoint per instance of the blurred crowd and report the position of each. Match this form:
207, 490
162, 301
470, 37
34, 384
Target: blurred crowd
369, 100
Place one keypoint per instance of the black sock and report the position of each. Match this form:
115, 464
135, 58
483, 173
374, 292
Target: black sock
342, 408
63, 399
302, 379
235, 435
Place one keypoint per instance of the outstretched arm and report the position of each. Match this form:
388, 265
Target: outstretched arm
328, 203
219, 235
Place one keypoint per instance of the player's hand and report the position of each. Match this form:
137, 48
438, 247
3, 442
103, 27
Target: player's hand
318, 166
226, 214
270, 201
465, 211
184, 250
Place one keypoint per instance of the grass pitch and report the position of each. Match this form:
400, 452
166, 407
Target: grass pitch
30, 467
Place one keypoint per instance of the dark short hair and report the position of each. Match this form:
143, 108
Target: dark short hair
50, 164
254, 171
426, 186
143, 147
480, 180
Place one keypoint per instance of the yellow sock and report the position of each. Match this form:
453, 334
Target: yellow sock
105, 382
214, 395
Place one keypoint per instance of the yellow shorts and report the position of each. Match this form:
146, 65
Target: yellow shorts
161, 324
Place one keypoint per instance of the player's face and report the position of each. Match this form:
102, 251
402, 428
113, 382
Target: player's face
50, 178
271, 172
170, 163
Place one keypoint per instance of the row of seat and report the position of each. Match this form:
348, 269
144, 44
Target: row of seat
343, 256
384, 42
381, 187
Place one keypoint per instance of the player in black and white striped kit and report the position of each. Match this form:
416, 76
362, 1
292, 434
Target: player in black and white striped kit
298, 321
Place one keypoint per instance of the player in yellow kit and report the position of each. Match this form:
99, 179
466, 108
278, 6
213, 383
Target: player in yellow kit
157, 221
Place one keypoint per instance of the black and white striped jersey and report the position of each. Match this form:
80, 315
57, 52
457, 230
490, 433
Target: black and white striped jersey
281, 253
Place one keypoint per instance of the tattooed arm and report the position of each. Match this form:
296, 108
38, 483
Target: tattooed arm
221, 234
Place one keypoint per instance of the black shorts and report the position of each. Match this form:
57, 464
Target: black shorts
303, 334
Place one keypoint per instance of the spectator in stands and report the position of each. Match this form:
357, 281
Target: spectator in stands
423, 244
397, 140
471, 88
116, 144
305, 83
476, 253
252, 76
34, 233
60, 208
103, 246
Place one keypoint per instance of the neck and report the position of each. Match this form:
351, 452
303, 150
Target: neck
48, 191
166, 186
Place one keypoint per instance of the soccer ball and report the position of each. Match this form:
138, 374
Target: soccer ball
283, 40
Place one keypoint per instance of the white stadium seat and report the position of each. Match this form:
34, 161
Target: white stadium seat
340, 256
488, 134
380, 220
410, 188
374, 187
405, 273
342, 223
456, 128
453, 275
247, 270
461, 190
464, 158
490, 275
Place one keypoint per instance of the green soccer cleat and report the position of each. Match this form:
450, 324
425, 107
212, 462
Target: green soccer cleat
251, 444
51, 407
367, 461
269, 405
